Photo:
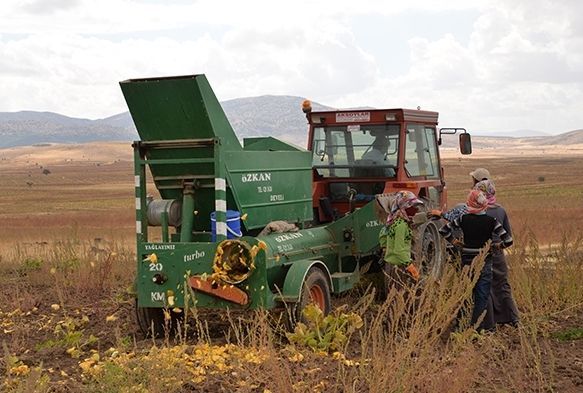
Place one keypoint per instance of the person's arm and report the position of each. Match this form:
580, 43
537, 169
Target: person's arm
504, 236
506, 224
447, 230
455, 213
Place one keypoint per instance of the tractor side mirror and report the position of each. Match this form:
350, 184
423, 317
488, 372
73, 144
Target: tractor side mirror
465, 143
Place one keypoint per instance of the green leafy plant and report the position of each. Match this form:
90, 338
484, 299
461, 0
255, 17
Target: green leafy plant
29, 265
69, 334
324, 333
569, 334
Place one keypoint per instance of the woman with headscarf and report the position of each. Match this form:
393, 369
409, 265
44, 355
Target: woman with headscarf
505, 311
478, 228
396, 236
478, 175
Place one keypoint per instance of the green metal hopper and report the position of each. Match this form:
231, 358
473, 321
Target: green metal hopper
195, 158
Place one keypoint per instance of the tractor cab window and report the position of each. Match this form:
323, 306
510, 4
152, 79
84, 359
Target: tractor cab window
356, 151
421, 152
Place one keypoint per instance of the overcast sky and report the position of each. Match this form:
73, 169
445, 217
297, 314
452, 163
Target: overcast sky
485, 65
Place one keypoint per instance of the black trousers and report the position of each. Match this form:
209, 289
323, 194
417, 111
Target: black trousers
481, 294
504, 307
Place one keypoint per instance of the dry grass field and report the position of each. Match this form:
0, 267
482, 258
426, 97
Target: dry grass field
66, 303
84, 195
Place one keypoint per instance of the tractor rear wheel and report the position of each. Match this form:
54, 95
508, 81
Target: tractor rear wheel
431, 247
315, 290
153, 323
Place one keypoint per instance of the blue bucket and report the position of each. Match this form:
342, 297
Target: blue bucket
233, 225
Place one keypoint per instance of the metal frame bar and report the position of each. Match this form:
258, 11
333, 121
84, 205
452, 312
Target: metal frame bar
220, 195
140, 194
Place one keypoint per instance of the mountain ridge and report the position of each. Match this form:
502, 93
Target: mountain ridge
279, 116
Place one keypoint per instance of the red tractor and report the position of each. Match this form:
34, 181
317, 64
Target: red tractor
358, 154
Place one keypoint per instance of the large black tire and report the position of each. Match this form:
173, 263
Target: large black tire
430, 251
315, 289
153, 324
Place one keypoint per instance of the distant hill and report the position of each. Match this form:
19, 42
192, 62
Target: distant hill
28, 128
278, 116
512, 134
567, 138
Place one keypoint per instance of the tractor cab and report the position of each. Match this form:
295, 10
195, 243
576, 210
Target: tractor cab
357, 154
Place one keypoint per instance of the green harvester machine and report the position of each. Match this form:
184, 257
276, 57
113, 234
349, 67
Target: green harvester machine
217, 198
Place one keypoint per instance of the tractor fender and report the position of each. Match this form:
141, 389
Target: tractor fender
295, 277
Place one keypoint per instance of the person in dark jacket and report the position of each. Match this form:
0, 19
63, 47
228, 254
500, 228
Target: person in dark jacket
478, 229
505, 310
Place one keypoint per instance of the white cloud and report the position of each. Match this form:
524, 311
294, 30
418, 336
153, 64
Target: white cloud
521, 66
48, 7
241, 62
521, 69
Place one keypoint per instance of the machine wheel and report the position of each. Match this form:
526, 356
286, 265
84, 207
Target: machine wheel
152, 323
430, 251
315, 290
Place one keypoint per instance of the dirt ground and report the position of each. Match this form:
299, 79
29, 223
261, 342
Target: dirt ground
29, 332
87, 195
88, 191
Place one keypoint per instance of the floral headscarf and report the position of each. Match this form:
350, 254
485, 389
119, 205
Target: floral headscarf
402, 201
477, 202
488, 188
